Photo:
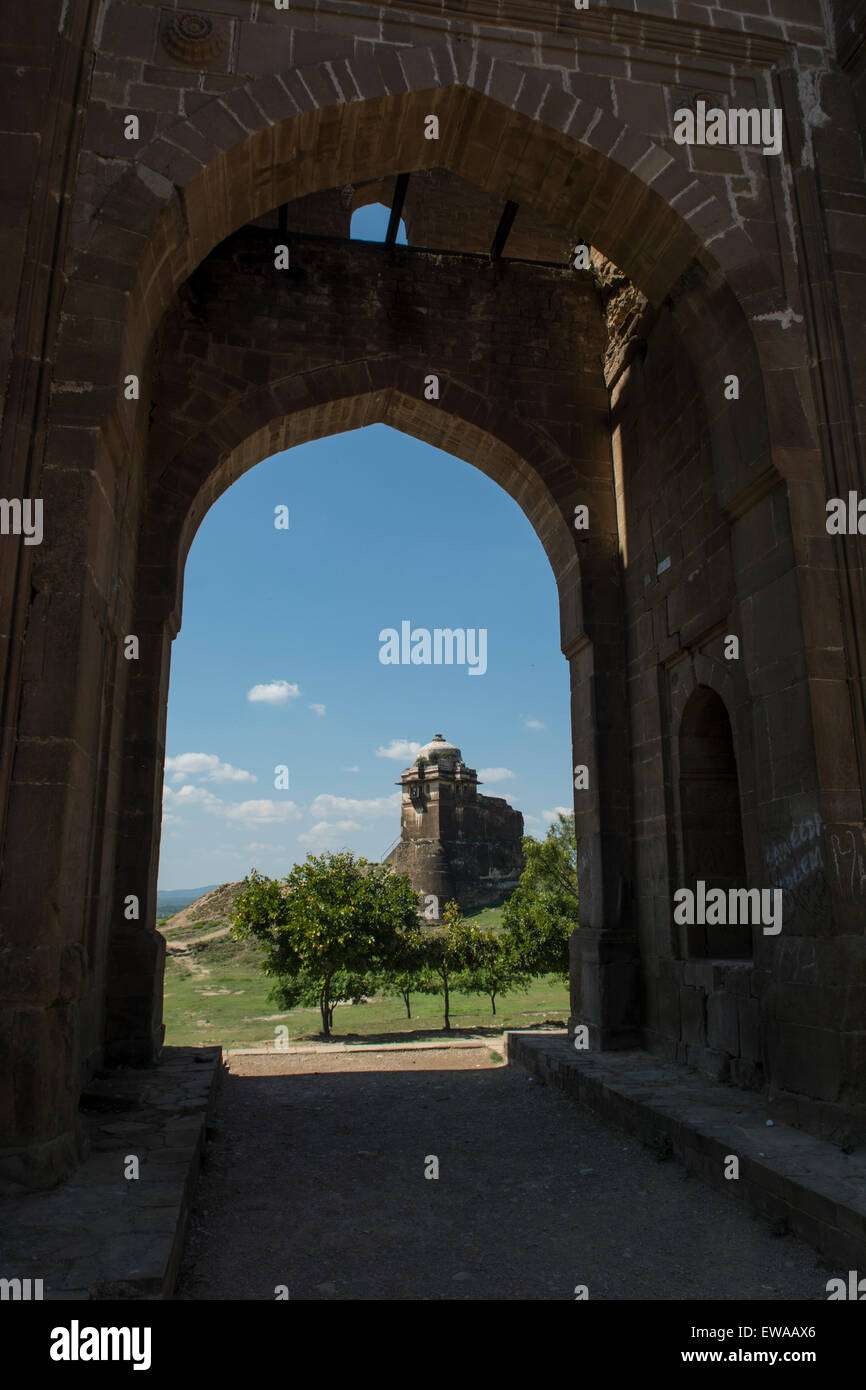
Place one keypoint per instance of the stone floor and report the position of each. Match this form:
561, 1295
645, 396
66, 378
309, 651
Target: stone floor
315, 1182
316, 1188
101, 1234
795, 1180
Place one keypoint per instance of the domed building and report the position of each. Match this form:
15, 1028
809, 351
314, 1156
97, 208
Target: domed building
454, 842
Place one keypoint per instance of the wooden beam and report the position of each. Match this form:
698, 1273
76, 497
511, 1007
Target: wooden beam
397, 209
506, 222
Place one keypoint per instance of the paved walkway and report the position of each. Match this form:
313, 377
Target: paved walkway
315, 1180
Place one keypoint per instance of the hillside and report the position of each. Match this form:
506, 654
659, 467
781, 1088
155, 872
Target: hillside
212, 910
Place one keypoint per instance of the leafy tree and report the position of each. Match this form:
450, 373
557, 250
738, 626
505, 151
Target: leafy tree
409, 974
331, 919
542, 912
456, 948
303, 989
497, 970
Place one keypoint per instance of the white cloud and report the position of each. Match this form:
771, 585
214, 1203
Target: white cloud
531, 820
265, 812
323, 833
495, 774
227, 773
318, 709
189, 795
260, 812
326, 805
557, 811
275, 693
350, 769
264, 847
206, 765
398, 748
533, 724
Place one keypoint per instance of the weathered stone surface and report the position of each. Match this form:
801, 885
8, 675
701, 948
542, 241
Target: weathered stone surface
454, 842
604, 388
100, 1234
783, 1172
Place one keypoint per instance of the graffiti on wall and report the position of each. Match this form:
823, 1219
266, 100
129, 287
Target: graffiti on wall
848, 849
796, 864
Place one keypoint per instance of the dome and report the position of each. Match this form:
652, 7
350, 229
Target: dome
439, 747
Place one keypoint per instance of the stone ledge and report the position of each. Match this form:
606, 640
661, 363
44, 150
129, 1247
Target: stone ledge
99, 1235
784, 1172
332, 1049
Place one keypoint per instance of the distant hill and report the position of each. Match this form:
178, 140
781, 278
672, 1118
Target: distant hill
171, 900
212, 908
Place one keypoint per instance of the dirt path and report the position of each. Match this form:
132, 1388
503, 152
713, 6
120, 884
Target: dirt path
182, 951
315, 1180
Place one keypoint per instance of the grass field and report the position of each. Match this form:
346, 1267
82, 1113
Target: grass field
486, 917
218, 994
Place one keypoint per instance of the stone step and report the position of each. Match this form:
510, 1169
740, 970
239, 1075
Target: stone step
786, 1175
101, 1235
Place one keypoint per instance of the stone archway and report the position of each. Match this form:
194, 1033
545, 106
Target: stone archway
141, 227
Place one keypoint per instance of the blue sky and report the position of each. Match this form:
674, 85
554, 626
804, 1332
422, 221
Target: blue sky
277, 662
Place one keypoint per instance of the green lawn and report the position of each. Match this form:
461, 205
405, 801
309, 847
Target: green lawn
486, 918
229, 1005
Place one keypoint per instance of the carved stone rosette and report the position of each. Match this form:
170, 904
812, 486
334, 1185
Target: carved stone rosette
191, 38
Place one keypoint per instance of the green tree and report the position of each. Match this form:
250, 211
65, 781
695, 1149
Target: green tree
453, 949
409, 974
292, 991
497, 970
542, 912
331, 918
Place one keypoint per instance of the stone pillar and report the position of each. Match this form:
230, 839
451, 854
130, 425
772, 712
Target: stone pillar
605, 981
133, 1026
51, 848
46, 741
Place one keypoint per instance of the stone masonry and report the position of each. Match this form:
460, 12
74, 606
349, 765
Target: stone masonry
696, 385
454, 842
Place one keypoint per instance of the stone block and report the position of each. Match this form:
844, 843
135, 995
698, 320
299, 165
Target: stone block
130, 31
804, 1060
722, 1023
749, 1026
693, 1015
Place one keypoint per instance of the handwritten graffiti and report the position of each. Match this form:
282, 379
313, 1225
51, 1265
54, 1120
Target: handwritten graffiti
849, 861
784, 852
796, 865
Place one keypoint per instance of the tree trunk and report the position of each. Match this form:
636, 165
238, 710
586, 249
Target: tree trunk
493, 1002
324, 1006
447, 1016
406, 999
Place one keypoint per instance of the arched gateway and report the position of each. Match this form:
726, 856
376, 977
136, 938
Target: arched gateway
671, 420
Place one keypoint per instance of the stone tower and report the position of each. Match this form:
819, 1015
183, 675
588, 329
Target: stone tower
455, 843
